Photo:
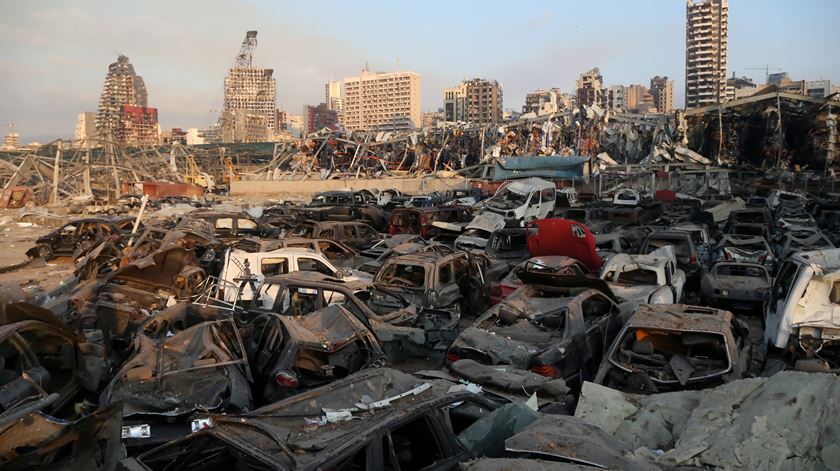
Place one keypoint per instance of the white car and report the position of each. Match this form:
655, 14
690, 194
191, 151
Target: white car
626, 197
802, 315
652, 279
246, 270
525, 200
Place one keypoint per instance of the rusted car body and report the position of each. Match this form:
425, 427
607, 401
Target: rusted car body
404, 333
453, 282
736, 285
357, 235
671, 347
554, 331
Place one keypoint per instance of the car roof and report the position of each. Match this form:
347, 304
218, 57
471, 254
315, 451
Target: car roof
681, 317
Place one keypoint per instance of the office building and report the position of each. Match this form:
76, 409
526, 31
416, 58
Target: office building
381, 101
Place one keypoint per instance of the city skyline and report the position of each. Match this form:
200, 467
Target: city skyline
56, 54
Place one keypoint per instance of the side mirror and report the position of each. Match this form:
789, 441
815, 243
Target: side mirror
341, 274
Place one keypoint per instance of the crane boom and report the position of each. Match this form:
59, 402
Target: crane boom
245, 58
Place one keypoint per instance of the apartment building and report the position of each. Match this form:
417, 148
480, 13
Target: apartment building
381, 101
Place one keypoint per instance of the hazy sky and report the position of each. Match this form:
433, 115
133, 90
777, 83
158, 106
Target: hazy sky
54, 55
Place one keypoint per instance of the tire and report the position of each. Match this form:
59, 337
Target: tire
44, 251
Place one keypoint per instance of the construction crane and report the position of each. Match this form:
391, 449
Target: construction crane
767, 68
194, 175
245, 58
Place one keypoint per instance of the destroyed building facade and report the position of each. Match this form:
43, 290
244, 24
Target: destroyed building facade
476, 101
589, 87
123, 106
706, 41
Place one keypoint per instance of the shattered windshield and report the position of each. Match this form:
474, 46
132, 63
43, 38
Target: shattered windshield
639, 276
509, 198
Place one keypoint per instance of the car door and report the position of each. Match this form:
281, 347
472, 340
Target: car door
532, 208
66, 240
675, 279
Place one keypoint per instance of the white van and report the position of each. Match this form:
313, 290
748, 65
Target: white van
241, 265
525, 200
803, 312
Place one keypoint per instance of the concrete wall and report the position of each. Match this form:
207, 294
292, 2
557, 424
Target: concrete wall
309, 187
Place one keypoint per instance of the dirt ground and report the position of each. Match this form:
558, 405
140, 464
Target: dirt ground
15, 239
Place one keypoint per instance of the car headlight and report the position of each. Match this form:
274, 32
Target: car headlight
725, 292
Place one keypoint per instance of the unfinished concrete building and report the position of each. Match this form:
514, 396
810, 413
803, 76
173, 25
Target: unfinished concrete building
706, 40
123, 87
381, 101
589, 87
243, 126
250, 89
544, 101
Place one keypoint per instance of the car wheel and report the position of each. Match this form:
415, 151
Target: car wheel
45, 252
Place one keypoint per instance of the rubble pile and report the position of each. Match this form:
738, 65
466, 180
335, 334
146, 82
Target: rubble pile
532, 326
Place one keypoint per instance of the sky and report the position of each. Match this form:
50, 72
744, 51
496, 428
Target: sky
55, 54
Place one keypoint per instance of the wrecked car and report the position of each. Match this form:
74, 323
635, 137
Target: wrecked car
801, 315
230, 225
686, 252
405, 332
245, 270
182, 363
671, 347
449, 281
421, 221
523, 200
290, 354
45, 365
399, 245
508, 246
741, 248
478, 231
802, 240
79, 236
553, 331
399, 422
336, 252
558, 264
736, 285
652, 278
557, 236
356, 235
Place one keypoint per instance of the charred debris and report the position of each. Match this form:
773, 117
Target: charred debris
524, 323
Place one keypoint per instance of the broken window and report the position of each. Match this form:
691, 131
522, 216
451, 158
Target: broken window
445, 273
637, 277
328, 233
224, 223
548, 194
535, 199
247, 225
274, 266
834, 296
595, 308
412, 446
356, 462
330, 249
460, 415
784, 281
366, 232
349, 232
406, 275
310, 264
681, 247
741, 270
68, 230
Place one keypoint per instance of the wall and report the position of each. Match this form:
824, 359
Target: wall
309, 187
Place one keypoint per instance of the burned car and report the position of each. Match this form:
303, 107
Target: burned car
399, 422
230, 225
671, 347
356, 235
396, 246
802, 240
652, 278
478, 231
740, 248
290, 354
557, 264
78, 237
507, 245
336, 252
449, 281
686, 252
184, 360
553, 331
736, 285
403, 333
44, 365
